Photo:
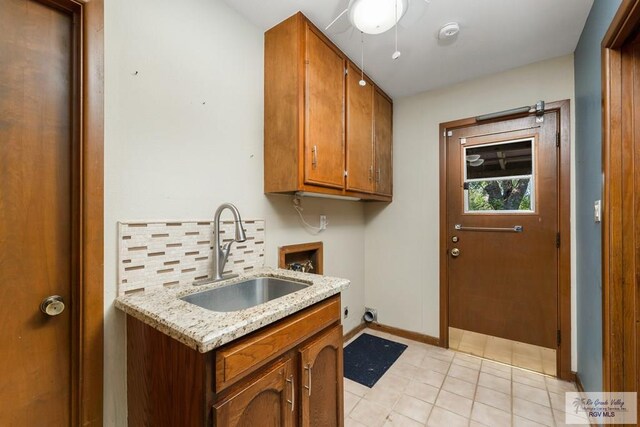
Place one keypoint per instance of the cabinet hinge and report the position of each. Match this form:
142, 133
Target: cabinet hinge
558, 336
346, 71
557, 240
557, 139
346, 173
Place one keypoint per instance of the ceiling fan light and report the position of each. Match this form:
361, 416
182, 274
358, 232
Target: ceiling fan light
376, 16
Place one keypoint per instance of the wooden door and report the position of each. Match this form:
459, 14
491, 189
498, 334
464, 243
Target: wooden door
268, 401
502, 229
37, 255
359, 132
322, 381
324, 111
383, 136
621, 202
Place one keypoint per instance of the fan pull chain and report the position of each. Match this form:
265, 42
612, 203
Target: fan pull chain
396, 54
362, 82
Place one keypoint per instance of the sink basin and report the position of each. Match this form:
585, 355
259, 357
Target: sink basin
245, 294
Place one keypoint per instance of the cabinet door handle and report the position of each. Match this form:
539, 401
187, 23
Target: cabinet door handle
314, 156
378, 176
308, 387
370, 173
293, 392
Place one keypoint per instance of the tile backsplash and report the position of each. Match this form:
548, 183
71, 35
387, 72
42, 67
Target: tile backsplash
155, 254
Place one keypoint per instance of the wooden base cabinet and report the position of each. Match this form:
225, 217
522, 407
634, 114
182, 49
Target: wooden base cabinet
267, 401
321, 365
319, 122
286, 374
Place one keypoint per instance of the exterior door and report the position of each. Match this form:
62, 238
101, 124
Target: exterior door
324, 110
502, 229
36, 213
268, 401
322, 381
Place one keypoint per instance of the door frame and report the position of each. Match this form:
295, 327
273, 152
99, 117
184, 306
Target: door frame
87, 306
563, 355
619, 302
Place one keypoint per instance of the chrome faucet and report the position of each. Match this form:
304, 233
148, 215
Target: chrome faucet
220, 253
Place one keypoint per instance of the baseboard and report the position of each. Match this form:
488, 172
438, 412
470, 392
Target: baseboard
580, 387
576, 379
410, 335
352, 333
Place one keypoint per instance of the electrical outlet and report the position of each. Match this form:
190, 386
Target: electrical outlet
323, 222
346, 312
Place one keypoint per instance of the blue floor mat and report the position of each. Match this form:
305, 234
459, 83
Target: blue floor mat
368, 357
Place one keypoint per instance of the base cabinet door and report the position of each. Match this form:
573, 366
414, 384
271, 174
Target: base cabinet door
321, 403
268, 401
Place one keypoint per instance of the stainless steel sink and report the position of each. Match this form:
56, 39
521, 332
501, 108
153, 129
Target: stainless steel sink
245, 294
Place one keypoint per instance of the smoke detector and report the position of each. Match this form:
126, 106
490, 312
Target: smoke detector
448, 30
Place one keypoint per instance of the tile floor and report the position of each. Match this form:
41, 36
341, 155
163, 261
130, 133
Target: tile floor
528, 356
432, 386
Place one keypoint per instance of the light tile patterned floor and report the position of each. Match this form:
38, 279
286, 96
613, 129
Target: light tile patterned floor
528, 356
432, 386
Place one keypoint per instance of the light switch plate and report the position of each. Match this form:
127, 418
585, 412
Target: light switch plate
597, 211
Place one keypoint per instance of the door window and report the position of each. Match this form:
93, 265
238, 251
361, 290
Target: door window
498, 177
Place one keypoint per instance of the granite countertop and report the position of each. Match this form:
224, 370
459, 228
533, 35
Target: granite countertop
205, 330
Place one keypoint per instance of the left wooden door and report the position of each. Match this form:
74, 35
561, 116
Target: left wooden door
36, 212
267, 401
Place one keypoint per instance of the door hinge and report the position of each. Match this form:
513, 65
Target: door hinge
346, 71
558, 337
557, 139
539, 107
557, 240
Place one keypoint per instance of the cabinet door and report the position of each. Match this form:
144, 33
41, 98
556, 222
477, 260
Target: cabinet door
359, 133
322, 382
267, 401
324, 113
383, 111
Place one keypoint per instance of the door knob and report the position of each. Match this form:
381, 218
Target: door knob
52, 306
455, 252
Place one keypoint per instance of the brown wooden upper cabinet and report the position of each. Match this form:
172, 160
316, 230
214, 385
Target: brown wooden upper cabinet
359, 132
383, 131
323, 132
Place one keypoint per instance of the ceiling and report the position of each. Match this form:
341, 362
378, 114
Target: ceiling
495, 35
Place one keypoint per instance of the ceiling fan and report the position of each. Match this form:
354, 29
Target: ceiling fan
378, 16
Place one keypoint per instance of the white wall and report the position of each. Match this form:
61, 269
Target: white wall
184, 134
402, 239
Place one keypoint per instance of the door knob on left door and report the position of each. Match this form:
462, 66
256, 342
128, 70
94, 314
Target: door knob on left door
455, 252
52, 306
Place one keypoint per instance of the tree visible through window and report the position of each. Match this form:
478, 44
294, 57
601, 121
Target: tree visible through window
499, 177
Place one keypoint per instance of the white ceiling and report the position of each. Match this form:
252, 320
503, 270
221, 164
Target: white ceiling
495, 35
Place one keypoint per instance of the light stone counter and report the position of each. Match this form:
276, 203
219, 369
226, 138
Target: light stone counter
203, 329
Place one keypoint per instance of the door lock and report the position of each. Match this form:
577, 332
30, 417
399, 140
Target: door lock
455, 252
52, 306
